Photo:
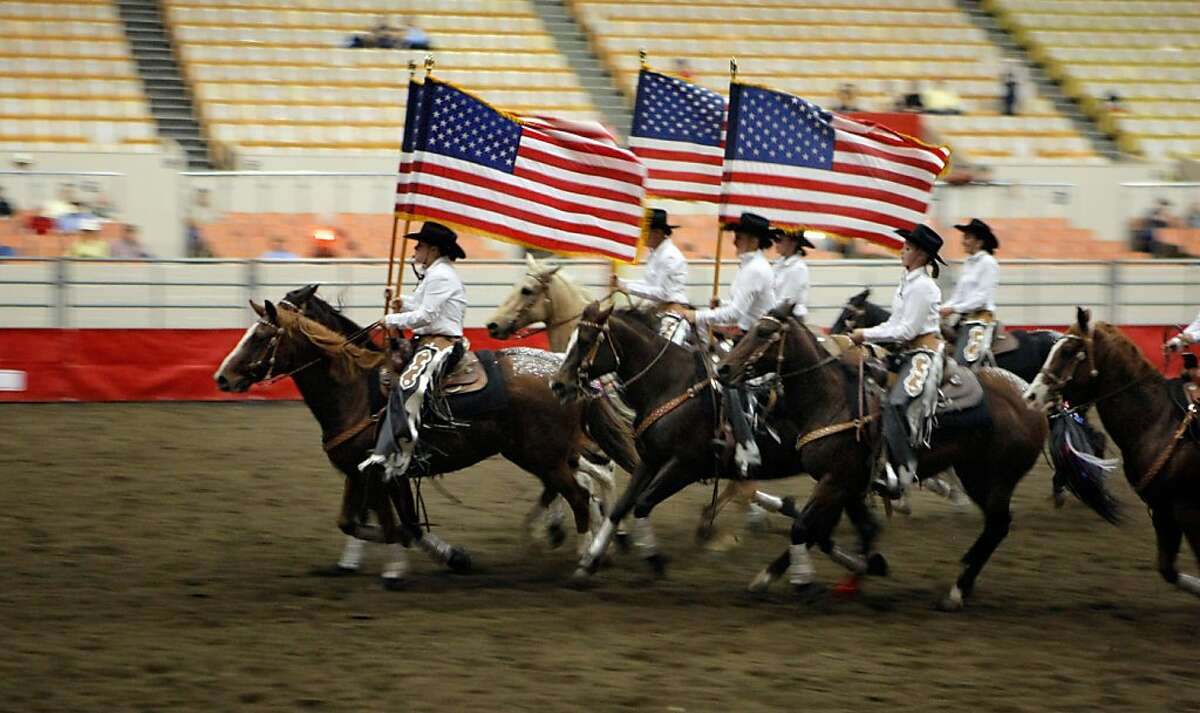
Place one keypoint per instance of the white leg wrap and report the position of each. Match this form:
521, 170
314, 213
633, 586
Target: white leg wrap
851, 562
800, 570
767, 501
955, 596
761, 581
435, 547
937, 486
595, 516
643, 537
352, 553
599, 544
397, 568
1189, 583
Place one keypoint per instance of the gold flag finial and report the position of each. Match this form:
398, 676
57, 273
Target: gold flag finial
428, 65
412, 69
733, 67
642, 57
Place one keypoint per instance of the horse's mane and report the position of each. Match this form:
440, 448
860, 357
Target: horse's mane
646, 315
326, 314
1122, 348
347, 359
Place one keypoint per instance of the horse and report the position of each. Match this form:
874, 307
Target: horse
1146, 416
338, 381
677, 405
1024, 361
545, 294
990, 458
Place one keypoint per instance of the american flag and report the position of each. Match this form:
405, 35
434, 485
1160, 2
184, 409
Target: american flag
411, 113
548, 188
678, 132
799, 165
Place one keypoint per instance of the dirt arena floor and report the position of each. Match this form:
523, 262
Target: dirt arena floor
157, 558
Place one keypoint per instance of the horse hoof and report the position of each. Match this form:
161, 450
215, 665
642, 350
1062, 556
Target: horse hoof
704, 533
624, 542
658, 565
761, 582
459, 561
581, 578
808, 593
953, 601
335, 570
392, 584
877, 565
555, 536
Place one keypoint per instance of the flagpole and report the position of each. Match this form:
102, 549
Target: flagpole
407, 219
716, 286
387, 289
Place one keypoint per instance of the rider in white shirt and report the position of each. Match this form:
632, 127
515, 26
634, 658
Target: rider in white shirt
974, 297
791, 272
435, 313
751, 296
664, 280
915, 332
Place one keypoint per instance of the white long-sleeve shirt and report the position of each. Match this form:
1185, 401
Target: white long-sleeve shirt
1192, 331
976, 288
665, 276
791, 283
750, 296
438, 306
914, 310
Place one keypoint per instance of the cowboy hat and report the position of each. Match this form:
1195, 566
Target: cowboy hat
981, 230
925, 238
441, 237
658, 221
753, 224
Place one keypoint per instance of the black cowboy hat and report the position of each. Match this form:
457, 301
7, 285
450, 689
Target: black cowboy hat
983, 231
441, 237
753, 224
658, 221
797, 235
925, 238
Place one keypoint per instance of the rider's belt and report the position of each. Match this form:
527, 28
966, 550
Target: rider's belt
438, 341
981, 315
673, 307
931, 342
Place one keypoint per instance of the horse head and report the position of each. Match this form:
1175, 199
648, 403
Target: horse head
257, 355
853, 313
307, 302
760, 349
529, 301
1070, 368
585, 359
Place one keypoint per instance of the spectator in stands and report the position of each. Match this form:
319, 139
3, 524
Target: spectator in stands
129, 246
7, 251
89, 243
683, 69
64, 204
1193, 215
941, 100
200, 214
1113, 103
415, 38
1145, 231
912, 100
1010, 94
6, 209
278, 251
382, 35
847, 99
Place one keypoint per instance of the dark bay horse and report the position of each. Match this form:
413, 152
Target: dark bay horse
989, 460
1024, 361
1154, 432
338, 382
669, 389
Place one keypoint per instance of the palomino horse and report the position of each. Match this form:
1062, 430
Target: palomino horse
677, 408
547, 295
989, 458
1153, 428
339, 384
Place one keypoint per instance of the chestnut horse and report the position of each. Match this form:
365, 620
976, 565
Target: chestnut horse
990, 459
338, 381
1155, 432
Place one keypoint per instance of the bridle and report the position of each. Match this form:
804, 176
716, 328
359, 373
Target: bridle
605, 336
779, 336
1055, 382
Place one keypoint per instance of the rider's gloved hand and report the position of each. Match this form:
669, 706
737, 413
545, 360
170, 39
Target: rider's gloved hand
1174, 344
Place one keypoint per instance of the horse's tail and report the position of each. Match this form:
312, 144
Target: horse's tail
1078, 468
611, 427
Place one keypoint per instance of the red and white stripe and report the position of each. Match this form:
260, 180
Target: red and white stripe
680, 169
880, 181
568, 193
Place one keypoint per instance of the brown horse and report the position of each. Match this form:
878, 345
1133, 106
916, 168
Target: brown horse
1097, 364
989, 460
338, 381
677, 409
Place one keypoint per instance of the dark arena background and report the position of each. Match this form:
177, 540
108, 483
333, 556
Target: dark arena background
170, 538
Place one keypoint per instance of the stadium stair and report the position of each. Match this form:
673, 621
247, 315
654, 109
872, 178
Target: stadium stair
170, 103
984, 18
571, 40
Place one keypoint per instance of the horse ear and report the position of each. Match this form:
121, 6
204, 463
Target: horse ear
1083, 317
258, 309
551, 271
604, 315
305, 292
272, 314
784, 309
530, 262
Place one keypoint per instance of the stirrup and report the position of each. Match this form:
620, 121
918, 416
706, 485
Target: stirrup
747, 457
891, 484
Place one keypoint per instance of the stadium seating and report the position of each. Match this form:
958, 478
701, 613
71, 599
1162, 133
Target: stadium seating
1146, 53
67, 80
813, 47
271, 77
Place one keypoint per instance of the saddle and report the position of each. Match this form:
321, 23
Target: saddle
466, 375
1003, 341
